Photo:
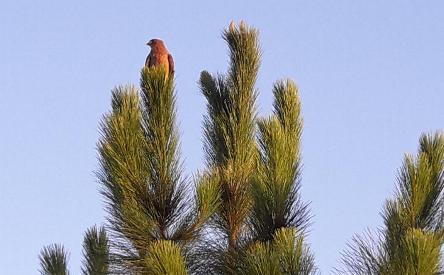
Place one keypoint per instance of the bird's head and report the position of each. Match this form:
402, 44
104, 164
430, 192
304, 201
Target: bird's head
154, 43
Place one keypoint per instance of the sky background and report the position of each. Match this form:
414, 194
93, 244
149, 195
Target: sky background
370, 75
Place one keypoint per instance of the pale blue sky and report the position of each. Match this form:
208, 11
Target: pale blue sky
370, 75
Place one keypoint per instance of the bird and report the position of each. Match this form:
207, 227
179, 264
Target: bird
159, 56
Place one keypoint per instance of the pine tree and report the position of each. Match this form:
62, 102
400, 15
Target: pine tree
279, 217
246, 215
413, 234
259, 225
96, 252
243, 214
54, 258
152, 220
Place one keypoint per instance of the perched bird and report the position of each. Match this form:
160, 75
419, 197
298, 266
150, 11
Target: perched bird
159, 56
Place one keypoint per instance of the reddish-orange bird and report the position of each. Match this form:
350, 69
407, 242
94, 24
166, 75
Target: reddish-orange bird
159, 56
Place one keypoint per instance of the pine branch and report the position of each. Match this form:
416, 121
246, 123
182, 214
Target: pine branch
277, 203
412, 239
229, 135
285, 254
53, 260
207, 201
140, 171
96, 252
229, 126
141, 175
124, 174
164, 258
166, 187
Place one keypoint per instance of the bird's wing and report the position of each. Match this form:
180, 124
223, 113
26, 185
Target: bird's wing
170, 64
148, 61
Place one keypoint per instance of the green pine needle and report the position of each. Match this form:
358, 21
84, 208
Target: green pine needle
411, 241
96, 252
54, 260
277, 202
285, 254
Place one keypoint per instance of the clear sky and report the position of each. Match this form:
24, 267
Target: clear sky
370, 75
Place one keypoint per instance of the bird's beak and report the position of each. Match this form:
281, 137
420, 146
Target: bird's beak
148, 43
